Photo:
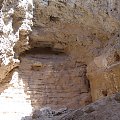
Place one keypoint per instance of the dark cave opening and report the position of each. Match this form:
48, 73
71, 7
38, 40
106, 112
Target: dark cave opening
104, 93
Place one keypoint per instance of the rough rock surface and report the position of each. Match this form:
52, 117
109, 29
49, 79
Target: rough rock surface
15, 21
104, 109
54, 80
88, 26
87, 31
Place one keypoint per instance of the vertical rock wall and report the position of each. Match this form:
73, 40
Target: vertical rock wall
15, 24
86, 30
54, 80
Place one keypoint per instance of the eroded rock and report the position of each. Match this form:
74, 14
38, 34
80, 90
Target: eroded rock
85, 31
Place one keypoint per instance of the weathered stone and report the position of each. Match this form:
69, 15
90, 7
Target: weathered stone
82, 38
52, 85
36, 66
60, 111
36, 114
89, 109
117, 97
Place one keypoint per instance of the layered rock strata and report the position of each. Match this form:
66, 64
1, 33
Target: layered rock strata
85, 30
52, 79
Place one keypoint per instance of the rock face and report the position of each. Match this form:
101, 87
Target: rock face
90, 27
104, 80
53, 80
15, 21
105, 109
83, 42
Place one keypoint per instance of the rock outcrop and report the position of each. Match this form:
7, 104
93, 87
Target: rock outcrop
53, 80
86, 31
105, 109
15, 21
90, 27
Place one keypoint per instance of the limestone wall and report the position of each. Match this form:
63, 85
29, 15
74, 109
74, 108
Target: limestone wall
86, 30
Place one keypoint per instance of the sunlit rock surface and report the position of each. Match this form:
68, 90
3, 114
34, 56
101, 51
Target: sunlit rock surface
15, 21
14, 102
87, 31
